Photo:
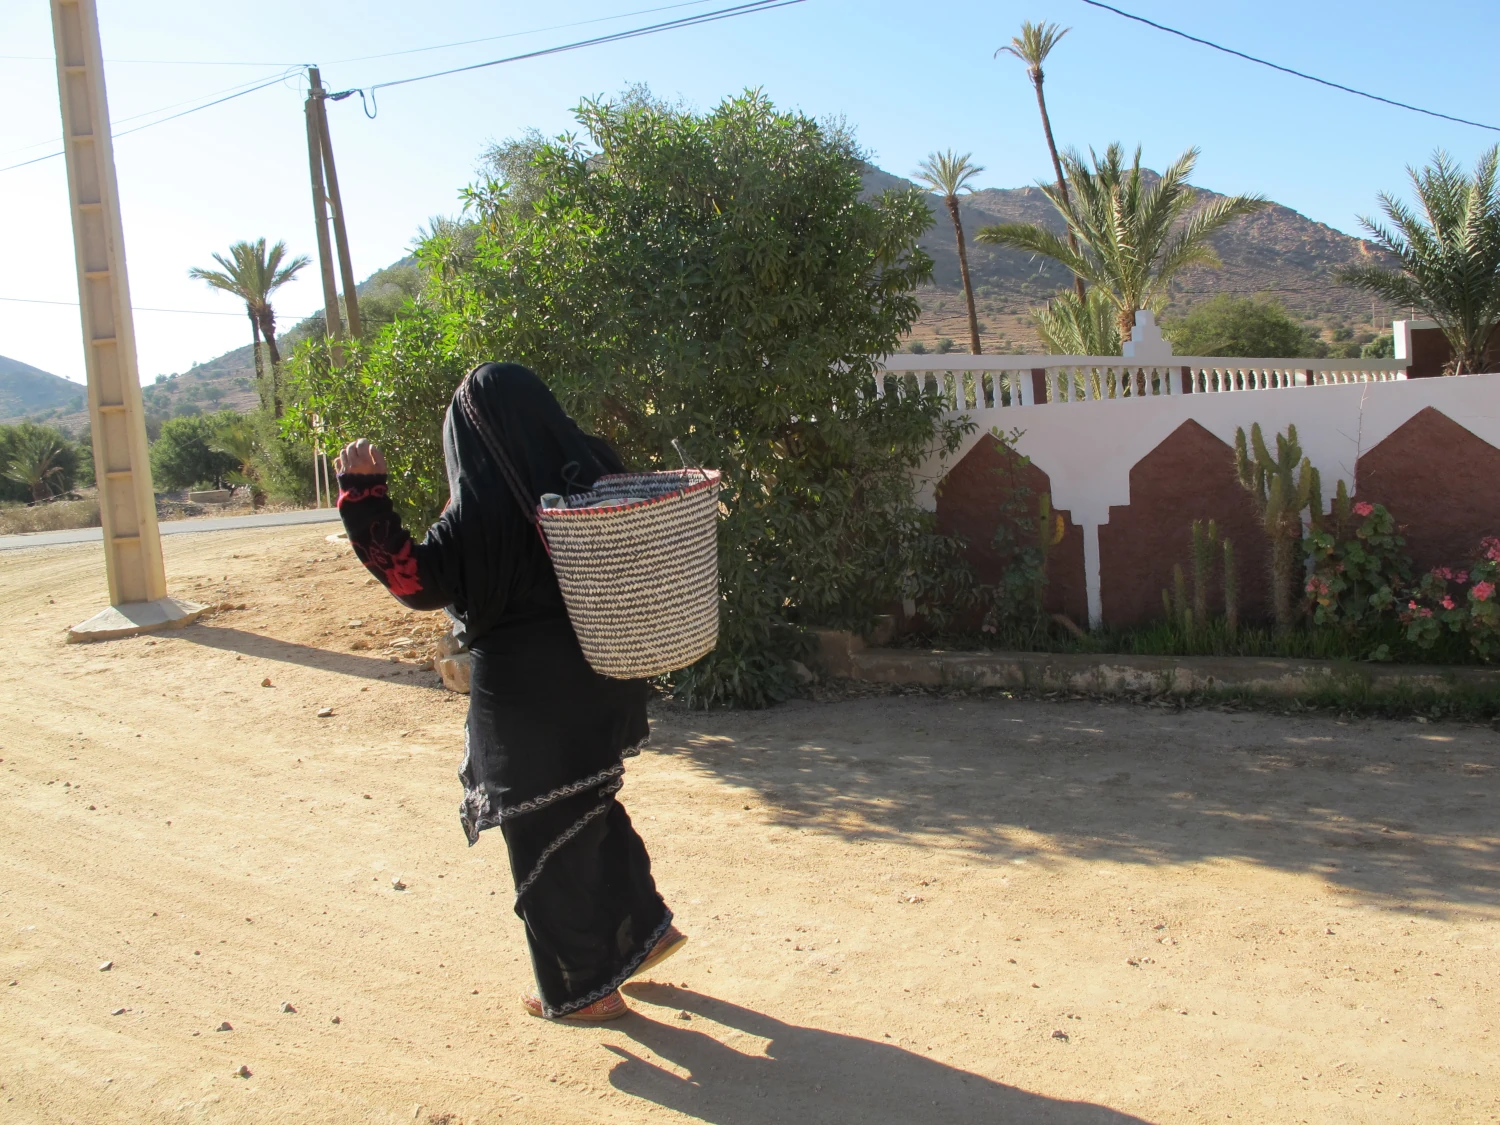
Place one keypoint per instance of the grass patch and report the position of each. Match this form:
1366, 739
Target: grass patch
60, 515
1385, 644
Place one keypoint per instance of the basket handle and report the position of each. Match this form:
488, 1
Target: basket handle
688, 462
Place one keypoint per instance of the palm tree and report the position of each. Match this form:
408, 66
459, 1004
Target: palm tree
1135, 238
36, 460
947, 173
1069, 326
1448, 258
252, 274
1032, 47
236, 438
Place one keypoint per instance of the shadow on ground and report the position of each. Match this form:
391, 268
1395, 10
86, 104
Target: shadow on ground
1392, 809
269, 648
808, 1075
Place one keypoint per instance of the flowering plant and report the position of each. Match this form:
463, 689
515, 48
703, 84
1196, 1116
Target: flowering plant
1461, 601
1355, 581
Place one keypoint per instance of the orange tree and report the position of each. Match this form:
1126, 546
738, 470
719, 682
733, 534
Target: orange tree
711, 277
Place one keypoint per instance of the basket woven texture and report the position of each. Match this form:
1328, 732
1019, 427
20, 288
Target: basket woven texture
641, 581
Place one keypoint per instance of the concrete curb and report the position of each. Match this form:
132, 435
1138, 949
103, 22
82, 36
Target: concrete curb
844, 655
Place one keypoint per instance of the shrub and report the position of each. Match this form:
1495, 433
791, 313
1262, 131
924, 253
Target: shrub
1238, 326
182, 456
1460, 601
712, 277
1358, 572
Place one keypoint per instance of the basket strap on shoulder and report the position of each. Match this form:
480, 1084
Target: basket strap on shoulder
491, 441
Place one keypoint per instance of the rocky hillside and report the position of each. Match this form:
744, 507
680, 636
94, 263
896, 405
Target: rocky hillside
27, 392
1277, 252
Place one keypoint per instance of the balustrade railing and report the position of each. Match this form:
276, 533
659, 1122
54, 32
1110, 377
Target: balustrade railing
987, 382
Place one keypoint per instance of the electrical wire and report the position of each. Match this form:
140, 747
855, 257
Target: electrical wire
669, 25
141, 308
1289, 70
522, 34
160, 121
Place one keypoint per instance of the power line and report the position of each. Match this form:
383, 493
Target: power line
1289, 70
159, 121
139, 308
669, 25
522, 34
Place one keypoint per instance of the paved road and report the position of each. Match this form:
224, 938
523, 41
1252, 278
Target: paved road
172, 527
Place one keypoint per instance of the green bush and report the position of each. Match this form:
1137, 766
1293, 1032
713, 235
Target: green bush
182, 456
45, 455
1240, 326
712, 277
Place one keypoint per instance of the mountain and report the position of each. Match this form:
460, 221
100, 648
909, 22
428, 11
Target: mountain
1275, 252
27, 391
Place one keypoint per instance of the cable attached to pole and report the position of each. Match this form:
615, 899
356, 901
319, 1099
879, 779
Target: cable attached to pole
1289, 70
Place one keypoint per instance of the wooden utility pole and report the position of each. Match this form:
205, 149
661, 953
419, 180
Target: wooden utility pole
333, 322
127, 505
340, 232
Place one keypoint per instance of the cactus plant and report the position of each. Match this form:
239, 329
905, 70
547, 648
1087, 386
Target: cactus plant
1231, 592
1205, 539
1282, 487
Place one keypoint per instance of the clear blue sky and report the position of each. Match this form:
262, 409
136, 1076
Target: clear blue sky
909, 77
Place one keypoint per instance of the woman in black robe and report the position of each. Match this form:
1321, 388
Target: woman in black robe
546, 736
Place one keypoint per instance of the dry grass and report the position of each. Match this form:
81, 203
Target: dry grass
60, 515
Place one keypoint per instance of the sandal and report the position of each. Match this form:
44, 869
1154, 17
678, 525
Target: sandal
670, 942
612, 1007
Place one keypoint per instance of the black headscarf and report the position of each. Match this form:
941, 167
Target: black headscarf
489, 543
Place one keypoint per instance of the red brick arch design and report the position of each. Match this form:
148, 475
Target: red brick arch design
1189, 476
968, 502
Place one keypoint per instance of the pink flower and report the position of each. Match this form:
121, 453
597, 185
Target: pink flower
1483, 591
1447, 603
1461, 576
1444, 573
1491, 548
1424, 613
1411, 605
1363, 509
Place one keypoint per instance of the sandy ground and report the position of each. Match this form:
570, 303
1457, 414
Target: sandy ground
902, 909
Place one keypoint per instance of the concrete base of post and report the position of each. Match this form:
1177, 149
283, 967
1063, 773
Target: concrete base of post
134, 618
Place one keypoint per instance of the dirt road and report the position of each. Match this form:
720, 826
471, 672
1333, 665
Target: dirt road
901, 909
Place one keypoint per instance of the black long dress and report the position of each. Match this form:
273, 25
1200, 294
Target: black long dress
546, 736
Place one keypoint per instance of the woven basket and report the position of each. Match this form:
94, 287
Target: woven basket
641, 580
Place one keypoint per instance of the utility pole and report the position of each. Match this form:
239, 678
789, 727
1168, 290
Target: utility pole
333, 322
325, 188
340, 232
127, 505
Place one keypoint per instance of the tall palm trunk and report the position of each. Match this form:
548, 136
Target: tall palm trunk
963, 269
268, 330
1062, 183
260, 367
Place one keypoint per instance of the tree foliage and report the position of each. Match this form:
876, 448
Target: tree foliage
1069, 326
184, 456
712, 277
38, 462
1448, 256
1135, 235
1239, 326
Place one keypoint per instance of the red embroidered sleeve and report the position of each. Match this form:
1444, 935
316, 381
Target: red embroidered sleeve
384, 545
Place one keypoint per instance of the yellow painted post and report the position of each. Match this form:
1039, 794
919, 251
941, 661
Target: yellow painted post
127, 504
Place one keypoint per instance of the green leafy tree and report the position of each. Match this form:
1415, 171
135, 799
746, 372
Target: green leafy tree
252, 274
1135, 236
1032, 47
184, 455
41, 461
713, 277
1448, 256
1238, 326
947, 173
234, 437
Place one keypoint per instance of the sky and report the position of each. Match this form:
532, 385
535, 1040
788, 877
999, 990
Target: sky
909, 78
